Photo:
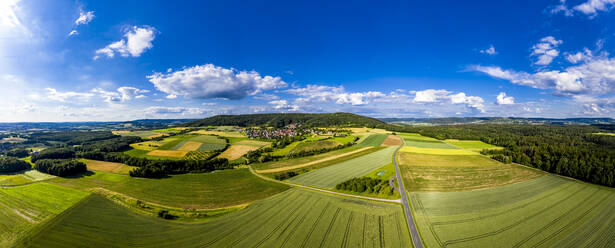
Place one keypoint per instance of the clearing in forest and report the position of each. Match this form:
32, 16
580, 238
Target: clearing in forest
295, 218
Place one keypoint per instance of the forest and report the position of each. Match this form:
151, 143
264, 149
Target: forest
11, 164
60, 167
283, 119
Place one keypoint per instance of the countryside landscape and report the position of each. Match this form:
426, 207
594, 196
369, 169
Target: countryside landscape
299, 124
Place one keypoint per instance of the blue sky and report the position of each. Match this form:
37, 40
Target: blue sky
124, 60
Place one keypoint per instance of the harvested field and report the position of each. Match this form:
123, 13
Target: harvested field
190, 146
167, 153
236, 151
418, 159
548, 211
104, 166
391, 140
312, 162
254, 143
295, 218
437, 151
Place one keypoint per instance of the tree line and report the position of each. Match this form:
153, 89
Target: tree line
11, 164
366, 184
60, 167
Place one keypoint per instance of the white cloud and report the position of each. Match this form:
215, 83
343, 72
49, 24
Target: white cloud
55, 95
283, 105
175, 110
122, 94
489, 51
266, 97
84, 17
138, 40
502, 99
74, 32
591, 7
445, 96
210, 81
546, 50
323, 93
562, 8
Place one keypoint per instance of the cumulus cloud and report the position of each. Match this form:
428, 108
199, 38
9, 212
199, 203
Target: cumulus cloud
210, 81
502, 99
562, 8
323, 93
85, 17
137, 41
122, 94
589, 7
283, 105
55, 95
445, 96
546, 50
489, 51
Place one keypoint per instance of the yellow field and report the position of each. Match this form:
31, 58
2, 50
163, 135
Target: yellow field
368, 130
167, 153
437, 151
104, 166
253, 143
190, 146
391, 140
220, 133
147, 145
236, 151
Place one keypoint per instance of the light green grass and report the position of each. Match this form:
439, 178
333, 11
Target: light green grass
330, 176
608, 134
437, 151
210, 142
429, 144
142, 134
549, 211
205, 190
388, 172
294, 218
286, 149
344, 140
169, 130
23, 177
143, 154
23, 207
416, 136
374, 140
472, 144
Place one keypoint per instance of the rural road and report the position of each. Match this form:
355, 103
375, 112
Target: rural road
414, 233
323, 190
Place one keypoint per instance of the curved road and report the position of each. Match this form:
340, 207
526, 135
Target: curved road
416, 238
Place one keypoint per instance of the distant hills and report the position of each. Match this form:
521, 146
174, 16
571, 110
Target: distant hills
283, 119
497, 120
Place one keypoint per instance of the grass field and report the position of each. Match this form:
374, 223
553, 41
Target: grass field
429, 144
23, 177
21, 208
142, 134
220, 133
204, 143
167, 153
295, 218
476, 145
609, 134
315, 145
254, 143
548, 211
330, 176
374, 140
416, 137
205, 190
344, 140
384, 172
286, 149
437, 151
119, 168
418, 159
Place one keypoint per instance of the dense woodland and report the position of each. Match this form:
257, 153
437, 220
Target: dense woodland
60, 167
368, 185
281, 120
570, 150
11, 164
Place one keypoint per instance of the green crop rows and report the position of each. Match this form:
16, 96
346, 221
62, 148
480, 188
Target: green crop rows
330, 176
295, 218
374, 139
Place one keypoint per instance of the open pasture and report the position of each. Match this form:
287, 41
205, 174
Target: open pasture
230, 134
344, 140
217, 189
548, 211
429, 144
437, 151
23, 177
104, 166
330, 176
21, 208
295, 218
475, 145
198, 142
286, 149
374, 140
416, 137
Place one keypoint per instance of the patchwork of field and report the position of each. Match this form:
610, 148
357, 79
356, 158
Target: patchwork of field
199, 142
374, 140
295, 218
167, 153
321, 158
178, 146
315, 162
220, 133
548, 211
23, 177
24, 206
437, 151
315, 145
105, 166
204, 190
330, 176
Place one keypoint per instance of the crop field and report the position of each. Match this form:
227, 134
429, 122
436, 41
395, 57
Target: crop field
199, 142
437, 151
204, 190
609, 134
254, 143
21, 208
374, 140
430, 144
236, 151
392, 140
476, 145
167, 153
315, 145
142, 134
105, 166
416, 137
330, 176
23, 177
220, 133
418, 159
295, 218
198, 155
316, 161
548, 211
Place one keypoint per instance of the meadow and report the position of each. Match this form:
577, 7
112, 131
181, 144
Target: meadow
548, 211
142, 134
374, 140
23, 177
330, 176
295, 218
205, 190
437, 151
21, 208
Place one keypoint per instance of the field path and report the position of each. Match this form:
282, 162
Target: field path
414, 233
323, 190
312, 163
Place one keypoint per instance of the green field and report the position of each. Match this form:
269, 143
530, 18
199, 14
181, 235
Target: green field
205, 190
330, 176
472, 144
295, 218
416, 137
548, 211
429, 144
142, 134
210, 142
384, 172
23, 177
21, 208
437, 151
286, 149
374, 139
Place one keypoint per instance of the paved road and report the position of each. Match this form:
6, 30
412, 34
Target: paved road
323, 190
416, 238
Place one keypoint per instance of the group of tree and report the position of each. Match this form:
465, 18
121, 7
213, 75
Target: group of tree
569, 150
17, 152
12, 164
60, 167
285, 175
367, 185
70, 137
54, 153
282, 119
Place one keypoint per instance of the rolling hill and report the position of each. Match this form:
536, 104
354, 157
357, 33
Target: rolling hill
283, 119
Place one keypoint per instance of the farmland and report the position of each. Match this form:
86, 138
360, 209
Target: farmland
546, 211
178, 146
374, 140
207, 190
330, 176
23, 177
104, 166
295, 218
316, 161
475, 145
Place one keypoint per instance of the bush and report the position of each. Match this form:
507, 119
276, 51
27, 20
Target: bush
60, 167
165, 215
10, 164
366, 184
285, 175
